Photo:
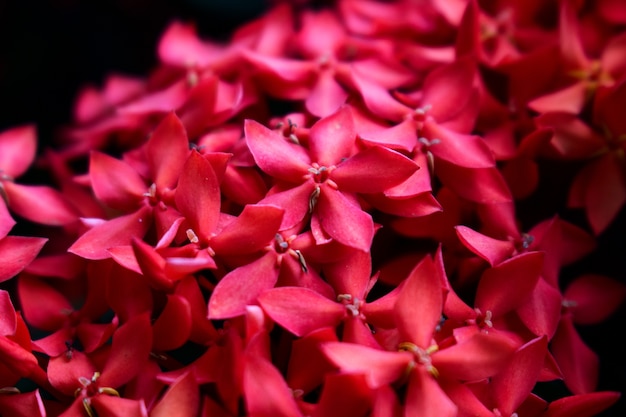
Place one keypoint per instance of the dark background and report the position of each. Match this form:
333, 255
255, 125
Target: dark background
50, 48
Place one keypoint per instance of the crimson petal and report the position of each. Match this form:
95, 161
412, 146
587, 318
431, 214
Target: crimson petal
18, 146
514, 383
181, 399
381, 367
425, 397
251, 231
173, 327
130, 350
40, 204
373, 170
344, 220
16, 253
94, 244
167, 151
198, 195
505, 287
479, 357
274, 155
114, 182
333, 137
242, 286
301, 310
420, 304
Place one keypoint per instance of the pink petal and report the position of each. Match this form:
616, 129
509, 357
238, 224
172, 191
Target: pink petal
111, 406
344, 395
64, 374
542, 312
301, 310
160, 101
130, 350
582, 405
343, 220
40, 204
94, 244
26, 404
514, 383
43, 306
481, 356
254, 228
380, 367
424, 397
274, 154
594, 298
295, 201
463, 150
173, 326
180, 46
402, 136
266, 392
567, 100
16, 253
491, 250
605, 194
6, 221
198, 195
326, 96
373, 170
182, 399
125, 285
321, 33
448, 88
8, 322
166, 151
18, 146
506, 286
115, 183
377, 99
332, 138
420, 304
151, 264
242, 286
482, 185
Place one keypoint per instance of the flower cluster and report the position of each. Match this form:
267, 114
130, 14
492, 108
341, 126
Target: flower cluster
321, 217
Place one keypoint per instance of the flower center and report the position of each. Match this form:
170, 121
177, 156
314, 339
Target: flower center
353, 304
422, 356
319, 173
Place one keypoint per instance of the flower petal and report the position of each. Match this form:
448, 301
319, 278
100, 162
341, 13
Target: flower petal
506, 286
420, 304
18, 146
16, 253
274, 154
251, 231
115, 183
198, 195
173, 326
594, 298
373, 170
167, 150
40, 204
381, 367
242, 286
182, 398
343, 220
94, 243
301, 310
514, 383
333, 137
130, 350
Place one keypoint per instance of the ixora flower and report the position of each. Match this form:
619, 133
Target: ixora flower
350, 208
